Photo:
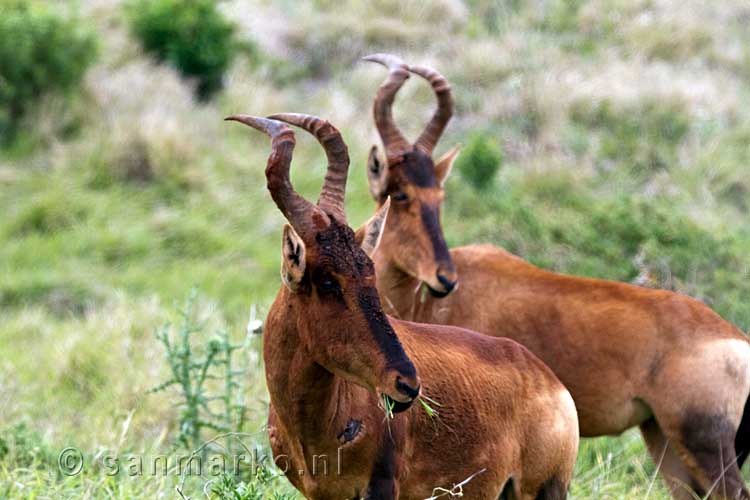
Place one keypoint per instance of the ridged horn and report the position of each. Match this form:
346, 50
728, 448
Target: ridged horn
398, 72
334, 187
434, 129
297, 210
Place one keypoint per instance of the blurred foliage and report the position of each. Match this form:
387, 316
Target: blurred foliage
670, 42
490, 16
47, 213
480, 160
643, 137
722, 166
191, 35
24, 447
583, 27
564, 19
41, 53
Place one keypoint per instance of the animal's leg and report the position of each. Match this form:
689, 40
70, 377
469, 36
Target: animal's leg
382, 488
705, 443
553, 489
509, 491
681, 484
742, 440
697, 397
708, 441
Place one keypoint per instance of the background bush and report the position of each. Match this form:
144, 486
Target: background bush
191, 35
480, 160
41, 52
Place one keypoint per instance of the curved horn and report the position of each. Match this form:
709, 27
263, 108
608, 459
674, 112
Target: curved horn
398, 72
298, 211
442, 115
332, 195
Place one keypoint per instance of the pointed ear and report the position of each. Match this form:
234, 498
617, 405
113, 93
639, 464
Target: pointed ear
292, 258
376, 172
445, 164
368, 236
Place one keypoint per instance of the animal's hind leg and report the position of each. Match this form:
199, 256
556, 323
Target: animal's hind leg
509, 491
705, 444
709, 452
697, 397
681, 484
553, 489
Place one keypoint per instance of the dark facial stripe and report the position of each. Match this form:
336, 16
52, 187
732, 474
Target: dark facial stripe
396, 358
431, 223
419, 169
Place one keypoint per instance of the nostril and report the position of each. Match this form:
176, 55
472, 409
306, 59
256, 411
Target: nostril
448, 284
406, 389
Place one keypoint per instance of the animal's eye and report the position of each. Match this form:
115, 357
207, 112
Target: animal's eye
400, 197
328, 284
352, 429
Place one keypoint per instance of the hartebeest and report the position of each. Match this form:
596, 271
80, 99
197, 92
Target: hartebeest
630, 356
331, 355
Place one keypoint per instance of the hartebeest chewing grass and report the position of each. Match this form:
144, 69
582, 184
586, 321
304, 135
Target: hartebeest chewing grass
630, 356
331, 354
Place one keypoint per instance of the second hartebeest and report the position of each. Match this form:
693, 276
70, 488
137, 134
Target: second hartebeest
332, 356
630, 356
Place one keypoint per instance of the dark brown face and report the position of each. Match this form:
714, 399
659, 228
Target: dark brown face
328, 274
347, 330
413, 236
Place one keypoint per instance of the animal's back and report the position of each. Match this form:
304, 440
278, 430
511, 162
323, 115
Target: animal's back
498, 407
608, 342
513, 287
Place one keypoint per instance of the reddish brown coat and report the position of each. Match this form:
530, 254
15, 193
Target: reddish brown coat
332, 356
630, 356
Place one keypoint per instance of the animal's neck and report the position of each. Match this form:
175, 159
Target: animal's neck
399, 291
303, 393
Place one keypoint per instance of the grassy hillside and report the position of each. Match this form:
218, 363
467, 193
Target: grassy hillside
625, 133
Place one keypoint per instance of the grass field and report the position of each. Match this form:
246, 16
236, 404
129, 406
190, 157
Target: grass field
624, 127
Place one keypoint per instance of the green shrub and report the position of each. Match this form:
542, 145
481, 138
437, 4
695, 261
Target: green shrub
40, 53
190, 35
480, 160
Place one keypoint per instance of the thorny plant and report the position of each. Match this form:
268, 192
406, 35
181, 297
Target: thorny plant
263, 482
211, 387
260, 487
